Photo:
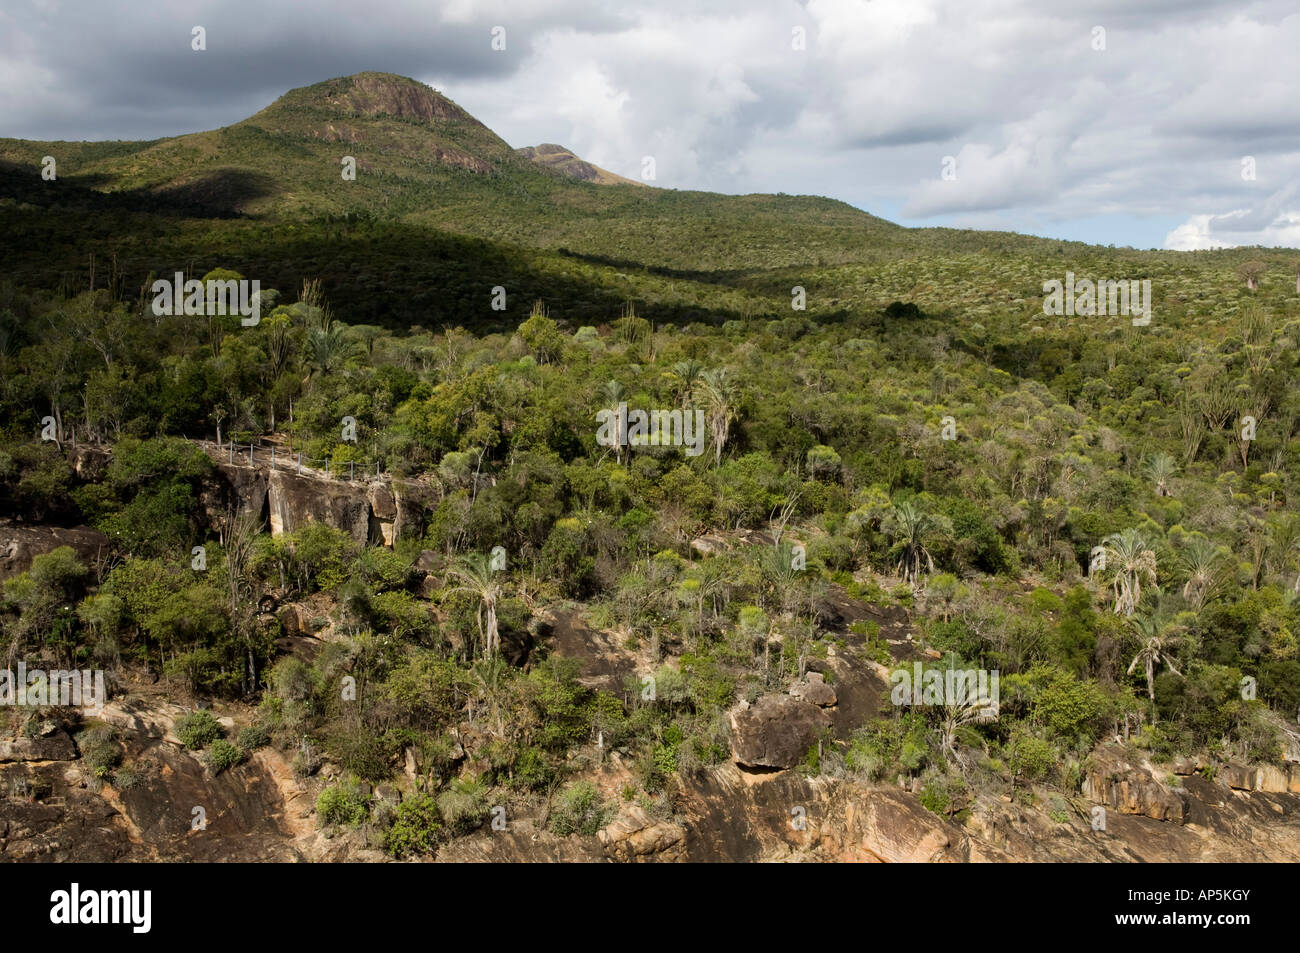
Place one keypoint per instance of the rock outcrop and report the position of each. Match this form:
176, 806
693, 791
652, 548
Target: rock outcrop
374, 512
1118, 783
775, 732
21, 543
55, 745
812, 688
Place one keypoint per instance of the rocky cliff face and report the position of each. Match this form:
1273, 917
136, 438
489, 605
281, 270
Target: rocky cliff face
20, 543
52, 808
374, 512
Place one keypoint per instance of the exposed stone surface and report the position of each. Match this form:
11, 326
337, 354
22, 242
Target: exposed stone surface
373, 512
1238, 778
1114, 781
636, 837
561, 160
21, 543
708, 545
812, 688
1271, 779
89, 463
775, 732
55, 746
607, 662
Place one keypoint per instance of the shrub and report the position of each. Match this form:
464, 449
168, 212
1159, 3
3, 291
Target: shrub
253, 737
359, 751
579, 810
100, 750
198, 729
464, 806
416, 827
126, 778
222, 754
532, 770
342, 804
1031, 758
935, 799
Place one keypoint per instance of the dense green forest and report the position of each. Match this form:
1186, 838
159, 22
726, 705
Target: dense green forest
1104, 527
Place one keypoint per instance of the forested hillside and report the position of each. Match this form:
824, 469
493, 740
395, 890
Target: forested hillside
902, 461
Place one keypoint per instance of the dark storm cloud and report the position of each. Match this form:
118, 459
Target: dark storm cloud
1046, 117
134, 74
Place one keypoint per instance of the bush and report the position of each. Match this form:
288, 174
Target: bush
360, 751
579, 810
253, 737
464, 806
532, 769
223, 754
126, 778
936, 799
1031, 758
99, 750
198, 729
416, 827
342, 804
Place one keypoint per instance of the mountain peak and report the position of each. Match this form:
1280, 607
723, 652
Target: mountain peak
377, 94
563, 161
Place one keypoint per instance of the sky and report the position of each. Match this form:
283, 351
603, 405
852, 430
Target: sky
1146, 123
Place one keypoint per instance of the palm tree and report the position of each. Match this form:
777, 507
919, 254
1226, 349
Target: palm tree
1284, 536
1160, 468
909, 525
777, 567
956, 714
720, 397
485, 682
1131, 560
612, 395
1155, 638
329, 349
947, 591
1205, 565
475, 574
686, 375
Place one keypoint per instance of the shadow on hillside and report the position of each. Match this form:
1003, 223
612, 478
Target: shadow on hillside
221, 193
373, 271
720, 277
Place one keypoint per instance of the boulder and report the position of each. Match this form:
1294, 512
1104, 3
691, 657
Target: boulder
776, 731
708, 545
293, 501
1129, 788
635, 837
383, 512
53, 746
291, 622
21, 543
1237, 777
90, 463
812, 688
1271, 779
